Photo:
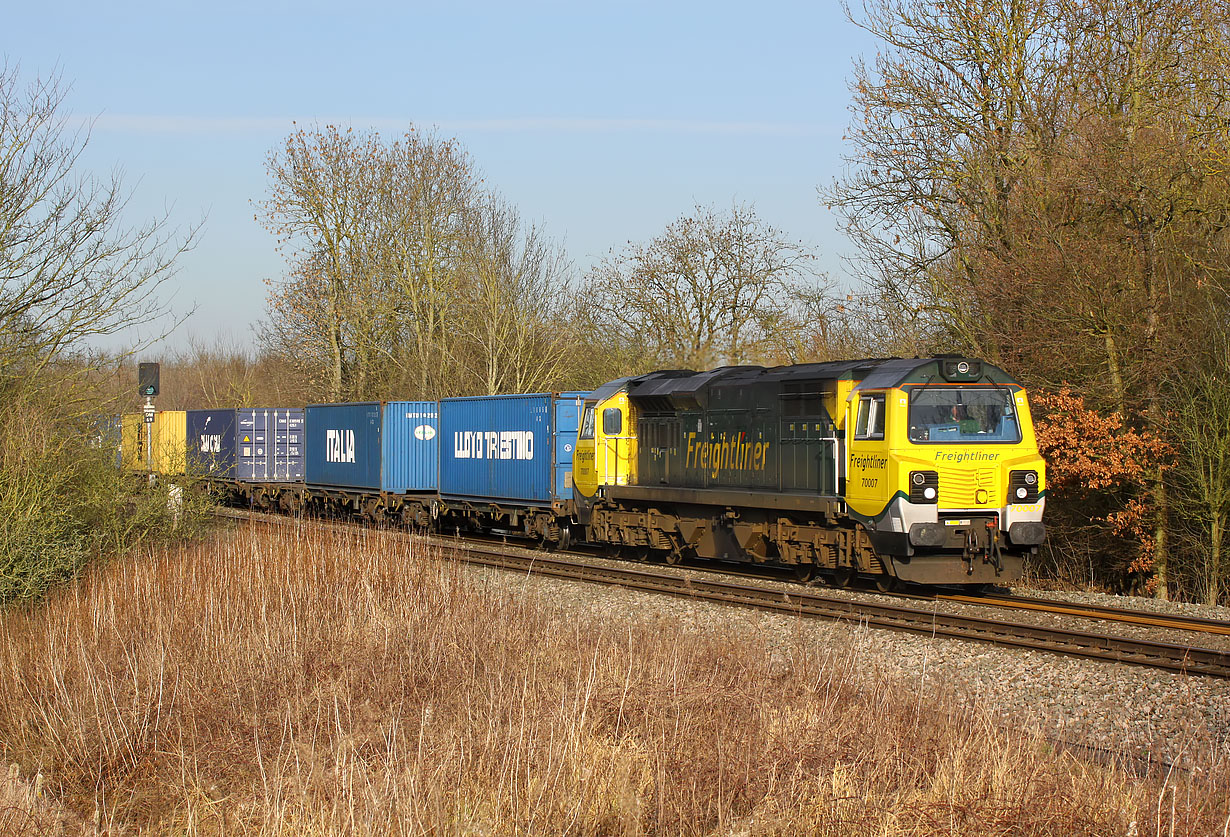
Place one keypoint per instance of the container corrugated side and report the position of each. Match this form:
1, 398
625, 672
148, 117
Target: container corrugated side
269, 444
169, 435
410, 444
342, 445
497, 448
211, 442
132, 442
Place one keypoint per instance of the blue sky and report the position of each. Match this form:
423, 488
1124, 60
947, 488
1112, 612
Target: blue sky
601, 122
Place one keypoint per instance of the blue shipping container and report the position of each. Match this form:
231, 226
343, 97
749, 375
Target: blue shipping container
410, 446
211, 442
109, 435
343, 445
269, 444
508, 448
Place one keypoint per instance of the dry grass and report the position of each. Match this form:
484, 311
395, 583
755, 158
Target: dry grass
306, 683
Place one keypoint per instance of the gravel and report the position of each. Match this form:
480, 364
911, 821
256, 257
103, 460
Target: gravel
1154, 716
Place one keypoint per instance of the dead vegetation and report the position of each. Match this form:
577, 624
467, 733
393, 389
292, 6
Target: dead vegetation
295, 682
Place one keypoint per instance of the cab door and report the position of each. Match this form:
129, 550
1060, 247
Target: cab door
868, 482
616, 441
584, 461
605, 450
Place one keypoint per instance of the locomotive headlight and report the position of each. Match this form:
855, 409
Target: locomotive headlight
924, 486
1023, 487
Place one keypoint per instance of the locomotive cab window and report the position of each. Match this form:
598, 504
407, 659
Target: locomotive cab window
870, 424
948, 415
587, 423
612, 421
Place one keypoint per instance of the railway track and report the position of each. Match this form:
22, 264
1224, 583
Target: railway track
810, 603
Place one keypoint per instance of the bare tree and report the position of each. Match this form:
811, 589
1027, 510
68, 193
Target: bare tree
429, 195
70, 268
946, 114
1202, 469
516, 315
710, 290
406, 277
321, 205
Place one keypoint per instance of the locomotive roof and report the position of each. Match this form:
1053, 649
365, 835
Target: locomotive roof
875, 373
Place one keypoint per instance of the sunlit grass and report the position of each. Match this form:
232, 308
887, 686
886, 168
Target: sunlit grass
306, 682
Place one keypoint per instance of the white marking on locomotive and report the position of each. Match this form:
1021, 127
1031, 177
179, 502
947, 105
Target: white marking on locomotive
339, 446
493, 444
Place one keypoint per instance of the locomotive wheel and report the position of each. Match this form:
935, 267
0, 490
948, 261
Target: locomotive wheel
886, 583
843, 576
639, 554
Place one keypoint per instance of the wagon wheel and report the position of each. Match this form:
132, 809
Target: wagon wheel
677, 551
371, 511
804, 572
678, 556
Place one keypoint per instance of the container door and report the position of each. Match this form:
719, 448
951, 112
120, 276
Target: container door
567, 423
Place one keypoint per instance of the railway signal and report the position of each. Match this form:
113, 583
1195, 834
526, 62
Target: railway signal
147, 385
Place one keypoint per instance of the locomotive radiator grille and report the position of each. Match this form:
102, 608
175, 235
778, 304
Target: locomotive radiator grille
959, 489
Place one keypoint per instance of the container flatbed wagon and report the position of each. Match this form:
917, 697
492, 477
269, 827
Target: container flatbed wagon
269, 457
506, 462
371, 457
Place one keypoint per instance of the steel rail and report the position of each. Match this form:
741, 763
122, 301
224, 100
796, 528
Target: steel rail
1092, 611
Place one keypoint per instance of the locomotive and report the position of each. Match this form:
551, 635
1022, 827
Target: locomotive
921, 470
